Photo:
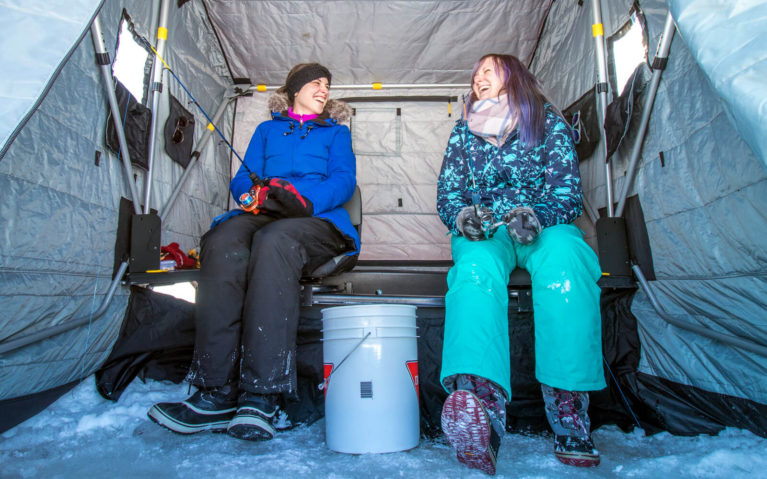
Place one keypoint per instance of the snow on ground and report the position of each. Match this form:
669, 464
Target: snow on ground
83, 435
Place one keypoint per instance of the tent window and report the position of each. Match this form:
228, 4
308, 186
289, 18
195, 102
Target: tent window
131, 65
627, 49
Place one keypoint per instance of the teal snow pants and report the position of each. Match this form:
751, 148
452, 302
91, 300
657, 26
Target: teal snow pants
568, 327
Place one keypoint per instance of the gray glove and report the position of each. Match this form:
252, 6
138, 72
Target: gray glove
522, 224
470, 225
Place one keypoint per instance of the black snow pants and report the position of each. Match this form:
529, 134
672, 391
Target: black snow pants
248, 300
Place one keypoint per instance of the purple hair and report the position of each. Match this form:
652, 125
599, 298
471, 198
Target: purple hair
526, 99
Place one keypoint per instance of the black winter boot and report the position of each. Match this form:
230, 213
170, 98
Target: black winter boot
254, 418
206, 410
567, 412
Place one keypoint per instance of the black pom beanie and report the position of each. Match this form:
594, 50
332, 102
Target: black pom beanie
308, 73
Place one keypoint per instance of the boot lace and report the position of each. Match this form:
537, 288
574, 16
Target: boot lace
567, 414
492, 401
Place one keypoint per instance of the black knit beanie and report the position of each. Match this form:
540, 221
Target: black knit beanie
298, 79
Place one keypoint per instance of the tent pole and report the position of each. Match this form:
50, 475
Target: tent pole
62, 328
658, 65
706, 332
195, 156
102, 58
598, 32
162, 36
155, 9
375, 86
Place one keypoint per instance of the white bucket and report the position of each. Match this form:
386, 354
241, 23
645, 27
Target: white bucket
371, 378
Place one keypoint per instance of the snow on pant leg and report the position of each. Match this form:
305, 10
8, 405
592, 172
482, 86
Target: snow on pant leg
224, 258
568, 325
280, 252
476, 339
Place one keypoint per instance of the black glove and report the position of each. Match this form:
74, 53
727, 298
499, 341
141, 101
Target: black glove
522, 224
470, 225
280, 198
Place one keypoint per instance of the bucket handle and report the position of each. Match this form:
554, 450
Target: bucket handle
324, 383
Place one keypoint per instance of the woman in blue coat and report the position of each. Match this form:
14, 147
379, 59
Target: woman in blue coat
298, 172
509, 190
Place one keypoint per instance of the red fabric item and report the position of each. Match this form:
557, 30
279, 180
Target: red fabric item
172, 251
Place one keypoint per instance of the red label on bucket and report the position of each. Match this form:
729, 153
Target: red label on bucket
412, 367
326, 370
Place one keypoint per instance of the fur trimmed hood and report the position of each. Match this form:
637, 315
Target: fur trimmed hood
335, 109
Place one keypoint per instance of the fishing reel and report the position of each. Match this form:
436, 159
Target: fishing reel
487, 221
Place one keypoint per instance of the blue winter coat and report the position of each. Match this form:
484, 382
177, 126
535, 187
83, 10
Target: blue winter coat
545, 178
316, 157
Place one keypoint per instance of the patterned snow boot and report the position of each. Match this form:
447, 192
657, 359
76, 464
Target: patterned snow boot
473, 420
206, 410
567, 412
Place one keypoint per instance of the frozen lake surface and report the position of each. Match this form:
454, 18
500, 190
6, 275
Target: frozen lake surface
84, 435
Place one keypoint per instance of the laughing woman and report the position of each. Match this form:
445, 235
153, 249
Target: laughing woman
298, 171
512, 162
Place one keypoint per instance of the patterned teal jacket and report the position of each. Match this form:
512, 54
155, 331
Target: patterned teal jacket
545, 178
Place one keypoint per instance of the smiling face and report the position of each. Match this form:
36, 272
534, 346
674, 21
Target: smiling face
488, 82
312, 97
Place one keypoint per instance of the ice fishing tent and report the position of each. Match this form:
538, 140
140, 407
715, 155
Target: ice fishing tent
688, 347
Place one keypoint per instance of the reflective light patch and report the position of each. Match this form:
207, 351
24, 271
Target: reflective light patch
562, 287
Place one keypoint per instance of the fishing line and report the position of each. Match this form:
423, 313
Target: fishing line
253, 176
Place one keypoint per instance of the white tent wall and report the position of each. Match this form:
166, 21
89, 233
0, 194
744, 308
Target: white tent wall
705, 215
739, 79
704, 208
52, 36
60, 210
398, 161
565, 60
372, 40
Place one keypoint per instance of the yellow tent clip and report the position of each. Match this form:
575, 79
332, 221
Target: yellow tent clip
377, 86
261, 87
597, 30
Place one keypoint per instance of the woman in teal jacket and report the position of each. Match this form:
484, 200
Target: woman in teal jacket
509, 190
298, 172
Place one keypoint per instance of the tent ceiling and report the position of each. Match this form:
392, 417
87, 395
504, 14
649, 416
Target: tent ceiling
373, 41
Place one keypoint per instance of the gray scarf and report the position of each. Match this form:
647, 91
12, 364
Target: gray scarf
492, 120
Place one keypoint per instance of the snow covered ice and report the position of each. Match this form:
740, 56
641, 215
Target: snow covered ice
84, 435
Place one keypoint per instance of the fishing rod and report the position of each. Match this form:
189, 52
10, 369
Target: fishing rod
253, 175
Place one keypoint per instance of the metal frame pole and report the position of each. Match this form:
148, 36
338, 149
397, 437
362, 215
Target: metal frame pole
602, 87
658, 65
375, 86
162, 36
62, 328
102, 58
204, 139
748, 345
